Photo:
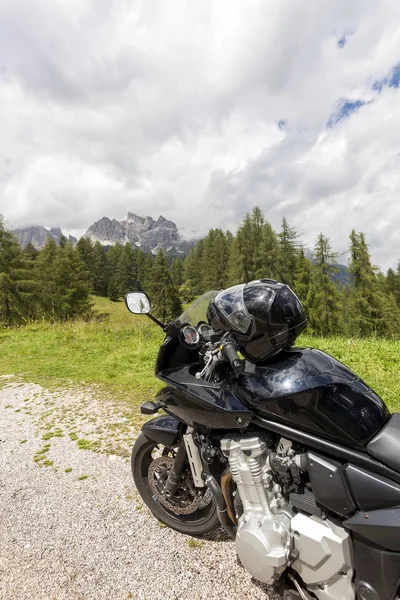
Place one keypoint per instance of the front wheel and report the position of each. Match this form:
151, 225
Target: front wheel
191, 510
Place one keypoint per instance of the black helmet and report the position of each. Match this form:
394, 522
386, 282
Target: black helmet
265, 316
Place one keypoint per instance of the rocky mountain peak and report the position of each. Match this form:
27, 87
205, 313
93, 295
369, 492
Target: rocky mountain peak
38, 235
140, 232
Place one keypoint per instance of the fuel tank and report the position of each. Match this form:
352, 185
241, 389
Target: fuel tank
311, 390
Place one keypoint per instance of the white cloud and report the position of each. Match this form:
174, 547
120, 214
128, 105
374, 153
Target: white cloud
158, 107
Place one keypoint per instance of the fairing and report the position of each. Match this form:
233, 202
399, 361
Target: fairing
309, 389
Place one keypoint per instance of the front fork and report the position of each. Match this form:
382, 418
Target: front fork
187, 449
175, 473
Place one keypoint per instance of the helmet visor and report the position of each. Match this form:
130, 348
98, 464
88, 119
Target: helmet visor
231, 304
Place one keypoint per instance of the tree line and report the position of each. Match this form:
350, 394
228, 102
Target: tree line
57, 282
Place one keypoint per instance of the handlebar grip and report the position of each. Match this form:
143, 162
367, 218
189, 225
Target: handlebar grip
229, 351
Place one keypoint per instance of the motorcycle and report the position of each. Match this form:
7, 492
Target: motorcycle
295, 457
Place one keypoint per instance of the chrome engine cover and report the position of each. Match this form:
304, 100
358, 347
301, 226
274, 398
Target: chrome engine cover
263, 546
269, 530
263, 540
325, 557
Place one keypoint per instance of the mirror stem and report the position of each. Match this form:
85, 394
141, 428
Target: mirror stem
156, 320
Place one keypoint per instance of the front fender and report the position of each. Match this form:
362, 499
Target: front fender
165, 430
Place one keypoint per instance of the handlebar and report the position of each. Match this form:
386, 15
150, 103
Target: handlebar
230, 353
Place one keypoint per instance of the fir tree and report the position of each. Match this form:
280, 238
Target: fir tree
112, 290
304, 284
177, 271
238, 271
372, 310
144, 265
112, 258
126, 275
44, 274
17, 303
215, 258
30, 253
163, 293
72, 291
241, 263
267, 256
85, 249
99, 270
289, 252
393, 283
192, 268
323, 300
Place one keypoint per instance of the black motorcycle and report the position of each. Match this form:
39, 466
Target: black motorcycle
285, 448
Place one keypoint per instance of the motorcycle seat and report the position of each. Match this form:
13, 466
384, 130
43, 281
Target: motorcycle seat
385, 446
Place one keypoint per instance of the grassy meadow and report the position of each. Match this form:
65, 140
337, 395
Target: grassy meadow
117, 354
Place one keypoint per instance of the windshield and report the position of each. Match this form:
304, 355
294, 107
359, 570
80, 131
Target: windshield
197, 311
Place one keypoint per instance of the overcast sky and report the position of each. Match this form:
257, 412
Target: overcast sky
201, 110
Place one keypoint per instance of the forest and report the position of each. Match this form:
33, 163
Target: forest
58, 283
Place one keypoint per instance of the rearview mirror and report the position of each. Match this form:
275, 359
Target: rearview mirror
138, 303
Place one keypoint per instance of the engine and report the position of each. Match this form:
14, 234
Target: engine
272, 534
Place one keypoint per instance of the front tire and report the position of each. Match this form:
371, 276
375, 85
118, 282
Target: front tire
199, 522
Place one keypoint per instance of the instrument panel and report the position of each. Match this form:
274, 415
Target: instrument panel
192, 336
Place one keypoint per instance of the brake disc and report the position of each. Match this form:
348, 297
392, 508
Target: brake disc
186, 499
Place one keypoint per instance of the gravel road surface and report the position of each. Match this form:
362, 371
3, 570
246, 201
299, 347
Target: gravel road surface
72, 525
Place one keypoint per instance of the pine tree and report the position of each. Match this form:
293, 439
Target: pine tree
17, 303
215, 258
257, 231
63, 282
112, 258
112, 290
372, 310
192, 268
304, 286
44, 274
30, 253
126, 274
144, 265
99, 270
289, 252
72, 291
238, 271
163, 293
267, 255
86, 252
177, 271
241, 265
393, 283
323, 300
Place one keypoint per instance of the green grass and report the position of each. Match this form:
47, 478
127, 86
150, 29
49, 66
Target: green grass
192, 543
118, 354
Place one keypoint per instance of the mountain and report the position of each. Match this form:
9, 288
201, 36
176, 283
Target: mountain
38, 235
141, 232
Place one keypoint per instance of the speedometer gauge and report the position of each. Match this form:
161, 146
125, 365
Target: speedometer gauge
189, 335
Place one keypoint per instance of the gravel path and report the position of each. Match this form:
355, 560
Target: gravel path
72, 525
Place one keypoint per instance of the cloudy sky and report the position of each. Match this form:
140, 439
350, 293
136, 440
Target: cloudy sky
202, 110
